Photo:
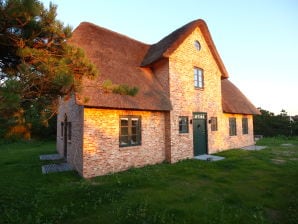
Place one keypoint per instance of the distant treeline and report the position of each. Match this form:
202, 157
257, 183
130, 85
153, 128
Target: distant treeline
268, 124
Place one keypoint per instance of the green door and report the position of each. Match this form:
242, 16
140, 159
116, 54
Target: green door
200, 133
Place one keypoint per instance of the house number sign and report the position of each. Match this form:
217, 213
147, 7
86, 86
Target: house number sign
199, 116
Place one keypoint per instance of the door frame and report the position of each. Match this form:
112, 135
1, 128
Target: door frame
204, 117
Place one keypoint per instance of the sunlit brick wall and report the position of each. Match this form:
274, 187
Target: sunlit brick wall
102, 154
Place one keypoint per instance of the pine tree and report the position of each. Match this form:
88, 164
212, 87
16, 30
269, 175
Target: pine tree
36, 63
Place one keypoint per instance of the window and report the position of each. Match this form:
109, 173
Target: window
197, 45
213, 123
232, 126
62, 129
198, 78
130, 131
69, 130
183, 124
244, 125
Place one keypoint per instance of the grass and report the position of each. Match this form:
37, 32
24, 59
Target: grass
246, 187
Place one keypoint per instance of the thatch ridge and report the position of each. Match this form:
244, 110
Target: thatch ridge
85, 23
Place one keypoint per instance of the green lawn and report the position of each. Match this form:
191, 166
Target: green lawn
246, 187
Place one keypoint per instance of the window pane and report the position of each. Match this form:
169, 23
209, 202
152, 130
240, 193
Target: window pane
134, 140
195, 71
134, 122
124, 140
124, 131
200, 84
183, 129
124, 121
133, 130
200, 78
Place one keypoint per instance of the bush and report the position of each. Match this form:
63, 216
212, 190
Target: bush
122, 89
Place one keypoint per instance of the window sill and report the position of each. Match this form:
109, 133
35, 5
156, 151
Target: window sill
200, 89
129, 147
183, 133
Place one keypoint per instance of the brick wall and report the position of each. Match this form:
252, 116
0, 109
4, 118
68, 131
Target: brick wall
74, 115
102, 154
238, 141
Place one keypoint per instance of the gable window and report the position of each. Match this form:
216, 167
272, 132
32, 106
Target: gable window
244, 125
197, 45
198, 78
232, 126
213, 123
183, 124
130, 131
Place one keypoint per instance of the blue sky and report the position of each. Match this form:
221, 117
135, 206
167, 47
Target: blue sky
257, 39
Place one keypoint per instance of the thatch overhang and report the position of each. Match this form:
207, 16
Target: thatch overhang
118, 59
167, 45
234, 101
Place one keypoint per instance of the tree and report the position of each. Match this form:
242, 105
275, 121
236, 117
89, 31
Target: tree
268, 124
36, 63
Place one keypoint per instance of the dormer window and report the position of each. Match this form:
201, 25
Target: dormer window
198, 78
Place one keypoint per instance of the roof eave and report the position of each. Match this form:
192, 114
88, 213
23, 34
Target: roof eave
243, 113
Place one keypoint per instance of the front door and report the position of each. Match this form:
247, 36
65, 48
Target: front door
200, 133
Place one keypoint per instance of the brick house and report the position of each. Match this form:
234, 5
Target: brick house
186, 106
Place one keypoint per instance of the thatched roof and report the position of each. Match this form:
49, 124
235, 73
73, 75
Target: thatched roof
167, 45
233, 100
125, 61
118, 59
